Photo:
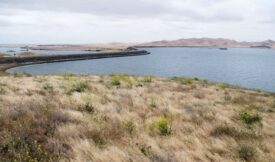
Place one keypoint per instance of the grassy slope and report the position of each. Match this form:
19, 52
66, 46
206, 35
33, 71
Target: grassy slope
122, 118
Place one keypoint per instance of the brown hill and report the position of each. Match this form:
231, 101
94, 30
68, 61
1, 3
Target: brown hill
209, 42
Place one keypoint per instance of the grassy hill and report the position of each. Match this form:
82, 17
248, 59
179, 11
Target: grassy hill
127, 118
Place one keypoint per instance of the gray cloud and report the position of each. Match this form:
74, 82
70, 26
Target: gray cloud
134, 20
197, 10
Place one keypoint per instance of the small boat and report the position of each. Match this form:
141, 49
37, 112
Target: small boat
223, 48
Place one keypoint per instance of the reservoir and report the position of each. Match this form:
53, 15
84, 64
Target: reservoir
249, 68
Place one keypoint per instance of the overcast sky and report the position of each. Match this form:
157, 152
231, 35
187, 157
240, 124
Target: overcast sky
99, 21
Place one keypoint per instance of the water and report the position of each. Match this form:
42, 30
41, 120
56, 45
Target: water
5, 50
250, 68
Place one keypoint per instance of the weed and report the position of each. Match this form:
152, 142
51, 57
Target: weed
233, 132
2, 90
139, 84
153, 103
29, 92
223, 85
147, 79
249, 118
273, 105
241, 100
67, 75
97, 137
87, 107
48, 87
17, 74
227, 98
145, 150
130, 126
184, 81
161, 126
24, 137
197, 120
246, 152
115, 82
98, 140
104, 100
80, 87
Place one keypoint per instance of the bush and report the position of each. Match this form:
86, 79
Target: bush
115, 82
161, 126
147, 79
223, 85
249, 118
67, 75
25, 134
227, 98
246, 152
48, 87
183, 80
88, 107
145, 150
80, 86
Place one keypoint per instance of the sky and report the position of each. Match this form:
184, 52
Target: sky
103, 21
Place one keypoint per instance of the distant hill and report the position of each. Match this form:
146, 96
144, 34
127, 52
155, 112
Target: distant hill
209, 42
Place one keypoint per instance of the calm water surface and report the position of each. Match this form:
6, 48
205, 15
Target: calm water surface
6, 50
250, 68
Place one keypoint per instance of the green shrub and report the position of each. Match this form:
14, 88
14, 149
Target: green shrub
161, 127
183, 80
99, 140
246, 152
227, 98
223, 85
115, 82
147, 79
25, 135
145, 150
249, 118
164, 127
48, 87
80, 86
67, 75
87, 107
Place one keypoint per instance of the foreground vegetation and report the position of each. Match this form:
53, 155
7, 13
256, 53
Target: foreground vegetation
126, 118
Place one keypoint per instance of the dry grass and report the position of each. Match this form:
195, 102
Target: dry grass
126, 118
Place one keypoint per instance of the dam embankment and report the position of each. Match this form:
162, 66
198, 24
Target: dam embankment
10, 62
